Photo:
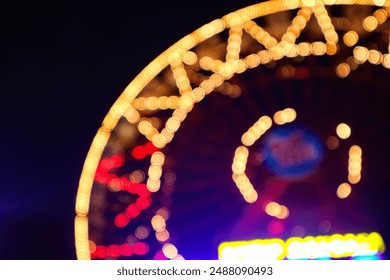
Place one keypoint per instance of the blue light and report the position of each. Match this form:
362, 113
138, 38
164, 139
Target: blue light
366, 257
292, 151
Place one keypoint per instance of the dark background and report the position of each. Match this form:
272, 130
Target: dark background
62, 65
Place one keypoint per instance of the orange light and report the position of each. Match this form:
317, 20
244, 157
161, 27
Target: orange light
344, 190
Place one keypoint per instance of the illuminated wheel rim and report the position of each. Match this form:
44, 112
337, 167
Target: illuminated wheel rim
136, 99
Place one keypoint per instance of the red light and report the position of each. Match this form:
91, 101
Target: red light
143, 202
116, 183
132, 211
302, 73
140, 248
121, 220
105, 164
100, 253
126, 250
150, 148
117, 161
141, 190
114, 251
139, 152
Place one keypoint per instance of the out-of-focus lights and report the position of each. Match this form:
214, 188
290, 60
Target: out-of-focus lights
179, 54
285, 116
234, 43
308, 3
375, 57
272, 208
114, 251
344, 190
137, 176
331, 49
354, 179
179, 257
379, 2
92, 246
283, 213
291, 4
164, 212
343, 70
332, 142
132, 115
242, 181
155, 171
254, 249
343, 131
169, 250
354, 164
256, 131
142, 232
334, 246
355, 151
190, 58
162, 236
381, 15
158, 223
361, 54
304, 49
115, 183
350, 38
370, 23
319, 48
275, 227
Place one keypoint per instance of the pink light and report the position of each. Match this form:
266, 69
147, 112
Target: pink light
140, 248
276, 227
160, 256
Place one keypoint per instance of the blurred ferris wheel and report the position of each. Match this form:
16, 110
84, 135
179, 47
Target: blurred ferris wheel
269, 122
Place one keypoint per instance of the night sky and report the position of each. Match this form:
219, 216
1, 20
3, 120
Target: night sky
62, 66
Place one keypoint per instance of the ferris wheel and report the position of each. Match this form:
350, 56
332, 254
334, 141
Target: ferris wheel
257, 125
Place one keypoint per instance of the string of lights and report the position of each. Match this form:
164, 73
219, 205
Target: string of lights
155, 105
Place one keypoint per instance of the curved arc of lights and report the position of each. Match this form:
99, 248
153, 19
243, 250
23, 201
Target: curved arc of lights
123, 103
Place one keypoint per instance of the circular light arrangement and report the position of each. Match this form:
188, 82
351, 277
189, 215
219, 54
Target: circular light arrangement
207, 75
